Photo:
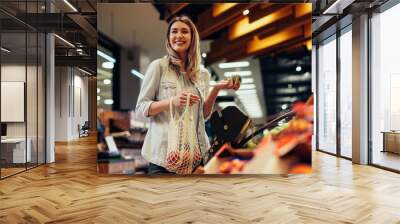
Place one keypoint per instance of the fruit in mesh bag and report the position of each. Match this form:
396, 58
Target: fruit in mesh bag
189, 161
184, 167
172, 159
180, 160
197, 156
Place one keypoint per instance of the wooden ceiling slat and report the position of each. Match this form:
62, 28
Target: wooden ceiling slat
243, 26
260, 11
220, 8
176, 7
237, 49
222, 48
303, 9
282, 46
259, 44
209, 24
173, 9
293, 48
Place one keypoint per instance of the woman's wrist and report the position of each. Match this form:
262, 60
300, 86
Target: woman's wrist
216, 89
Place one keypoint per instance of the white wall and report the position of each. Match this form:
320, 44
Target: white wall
33, 127
80, 98
12, 73
61, 103
71, 94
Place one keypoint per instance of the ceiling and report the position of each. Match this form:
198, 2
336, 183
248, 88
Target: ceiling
275, 38
75, 23
124, 23
283, 34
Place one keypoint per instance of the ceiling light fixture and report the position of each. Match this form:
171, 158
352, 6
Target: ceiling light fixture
108, 101
137, 74
246, 92
246, 12
252, 107
237, 64
245, 97
107, 81
64, 40
298, 68
222, 93
107, 65
247, 80
5, 49
247, 86
227, 104
106, 56
70, 5
204, 55
240, 73
84, 71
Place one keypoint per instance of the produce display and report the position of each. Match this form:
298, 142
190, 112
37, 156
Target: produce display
285, 149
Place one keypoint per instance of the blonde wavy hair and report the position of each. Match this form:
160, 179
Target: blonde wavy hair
193, 59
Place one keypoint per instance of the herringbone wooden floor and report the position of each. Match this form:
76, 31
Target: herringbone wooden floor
70, 191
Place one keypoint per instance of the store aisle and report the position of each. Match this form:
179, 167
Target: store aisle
71, 191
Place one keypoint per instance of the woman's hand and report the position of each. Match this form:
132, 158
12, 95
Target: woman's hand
228, 84
180, 100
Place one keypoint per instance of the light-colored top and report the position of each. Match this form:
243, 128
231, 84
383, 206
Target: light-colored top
159, 83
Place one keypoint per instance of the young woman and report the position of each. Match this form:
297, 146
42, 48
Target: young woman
172, 78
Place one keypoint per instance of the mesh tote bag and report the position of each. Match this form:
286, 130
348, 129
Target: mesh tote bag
183, 152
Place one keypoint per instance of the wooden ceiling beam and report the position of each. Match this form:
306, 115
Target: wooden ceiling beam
210, 24
293, 48
287, 44
258, 44
245, 26
264, 9
225, 49
173, 8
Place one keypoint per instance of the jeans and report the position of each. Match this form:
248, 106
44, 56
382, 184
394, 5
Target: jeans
156, 169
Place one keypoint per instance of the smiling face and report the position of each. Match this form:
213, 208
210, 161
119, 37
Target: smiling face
180, 37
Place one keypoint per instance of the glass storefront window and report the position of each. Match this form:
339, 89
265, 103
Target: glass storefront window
385, 89
22, 91
15, 149
346, 93
327, 95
